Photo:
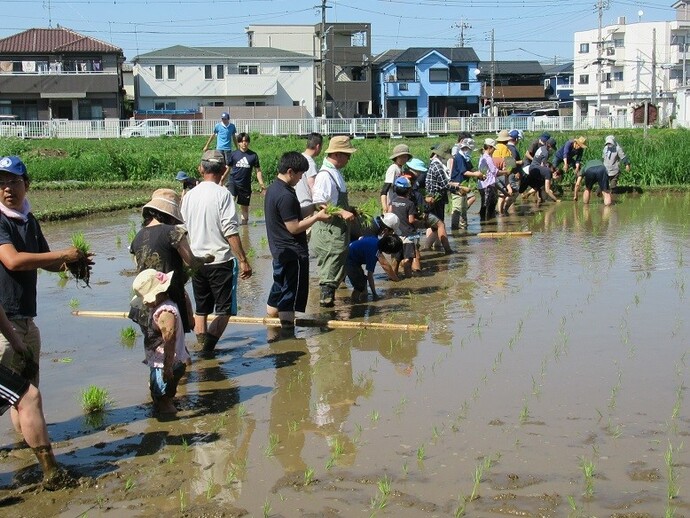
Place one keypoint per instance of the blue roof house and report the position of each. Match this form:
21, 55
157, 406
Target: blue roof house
428, 82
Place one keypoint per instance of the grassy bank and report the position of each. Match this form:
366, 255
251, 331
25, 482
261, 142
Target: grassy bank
660, 159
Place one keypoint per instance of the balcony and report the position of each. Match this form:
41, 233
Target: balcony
67, 85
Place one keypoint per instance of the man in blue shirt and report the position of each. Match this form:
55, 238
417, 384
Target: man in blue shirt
226, 134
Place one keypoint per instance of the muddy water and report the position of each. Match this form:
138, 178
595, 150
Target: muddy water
542, 353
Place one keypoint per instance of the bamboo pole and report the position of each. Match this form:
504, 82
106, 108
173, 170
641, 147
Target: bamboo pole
268, 321
525, 233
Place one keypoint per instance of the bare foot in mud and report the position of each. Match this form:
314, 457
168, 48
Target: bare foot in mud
58, 479
165, 406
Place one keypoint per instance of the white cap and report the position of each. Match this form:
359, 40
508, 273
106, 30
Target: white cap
391, 221
610, 139
490, 142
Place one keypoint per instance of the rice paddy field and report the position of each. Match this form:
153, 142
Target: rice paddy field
551, 382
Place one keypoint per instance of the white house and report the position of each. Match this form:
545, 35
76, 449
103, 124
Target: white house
633, 63
183, 78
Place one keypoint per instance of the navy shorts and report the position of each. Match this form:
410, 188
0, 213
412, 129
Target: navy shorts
12, 388
213, 286
597, 174
241, 193
290, 289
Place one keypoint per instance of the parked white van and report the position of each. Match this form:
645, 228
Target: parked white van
151, 128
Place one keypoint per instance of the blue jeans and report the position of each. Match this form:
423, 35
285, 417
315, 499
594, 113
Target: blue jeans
159, 387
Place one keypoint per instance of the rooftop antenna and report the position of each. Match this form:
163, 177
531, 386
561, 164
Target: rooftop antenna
46, 5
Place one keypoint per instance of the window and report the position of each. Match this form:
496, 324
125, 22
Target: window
249, 69
159, 106
289, 68
610, 51
159, 71
584, 79
619, 43
255, 103
464, 86
208, 72
459, 74
220, 72
406, 74
618, 76
678, 40
438, 75
584, 48
676, 73
358, 39
295, 103
171, 71
164, 105
345, 74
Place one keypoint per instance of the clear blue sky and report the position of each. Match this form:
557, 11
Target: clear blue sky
524, 29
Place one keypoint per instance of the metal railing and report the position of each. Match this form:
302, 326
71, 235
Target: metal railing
357, 127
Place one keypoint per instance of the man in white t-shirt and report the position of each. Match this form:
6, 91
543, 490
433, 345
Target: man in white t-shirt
305, 186
212, 222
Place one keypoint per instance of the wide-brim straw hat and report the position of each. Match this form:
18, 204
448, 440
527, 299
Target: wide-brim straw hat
400, 150
503, 136
148, 284
166, 201
581, 141
340, 144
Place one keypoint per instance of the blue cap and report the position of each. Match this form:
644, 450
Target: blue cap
403, 182
544, 137
13, 165
225, 115
181, 176
515, 134
417, 164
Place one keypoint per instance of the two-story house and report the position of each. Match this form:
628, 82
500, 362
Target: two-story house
558, 83
181, 78
631, 64
428, 82
58, 73
512, 86
342, 56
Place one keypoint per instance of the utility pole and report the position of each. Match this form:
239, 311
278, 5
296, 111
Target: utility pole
322, 56
462, 26
600, 5
653, 96
493, 71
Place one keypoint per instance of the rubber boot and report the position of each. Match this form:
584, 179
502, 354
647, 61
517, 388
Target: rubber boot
446, 245
455, 220
210, 342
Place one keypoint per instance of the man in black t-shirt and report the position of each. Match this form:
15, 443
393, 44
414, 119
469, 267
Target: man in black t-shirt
238, 176
287, 239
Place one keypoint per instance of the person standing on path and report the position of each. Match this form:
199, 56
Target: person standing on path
330, 239
226, 135
286, 231
305, 186
212, 222
238, 175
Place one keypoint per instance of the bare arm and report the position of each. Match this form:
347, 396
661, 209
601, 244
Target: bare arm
260, 178
372, 285
388, 269
237, 249
549, 192
188, 257
24, 261
167, 324
225, 175
576, 189
298, 226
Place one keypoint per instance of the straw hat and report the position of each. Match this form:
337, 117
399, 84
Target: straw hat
503, 136
489, 142
581, 141
166, 201
340, 144
400, 150
148, 284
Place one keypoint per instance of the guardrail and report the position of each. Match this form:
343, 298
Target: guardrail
358, 128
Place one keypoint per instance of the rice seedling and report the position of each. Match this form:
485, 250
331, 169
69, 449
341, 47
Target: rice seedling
251, 253
74, 304
185, 445
132, 232
231, 477
405, 468
476, 480
129, 484
241, 410
420, 454
94, 399
308, 476
461, 509
588, 470
209, 489
367, 211
672, 489
524, 414
263, 241
118, 241
171, 459
374, 416
62, 274
293, 426
182, 499
330, 463
266, 509
270, 448
81, 270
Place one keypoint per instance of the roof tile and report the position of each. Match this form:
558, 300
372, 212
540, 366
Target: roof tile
54, 41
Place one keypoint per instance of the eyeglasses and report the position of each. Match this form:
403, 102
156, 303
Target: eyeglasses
11, 183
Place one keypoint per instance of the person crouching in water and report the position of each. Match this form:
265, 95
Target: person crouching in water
164, 347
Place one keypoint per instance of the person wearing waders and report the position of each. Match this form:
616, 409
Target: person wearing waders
330, 239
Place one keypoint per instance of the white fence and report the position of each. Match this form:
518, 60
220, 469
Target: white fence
360, 127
